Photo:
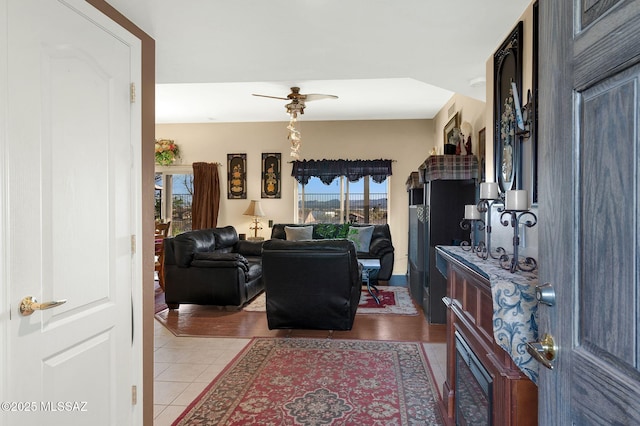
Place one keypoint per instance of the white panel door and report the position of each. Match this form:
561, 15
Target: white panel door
71, 204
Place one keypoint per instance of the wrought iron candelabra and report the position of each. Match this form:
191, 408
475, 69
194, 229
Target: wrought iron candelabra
514, 218
471, 225
484, 247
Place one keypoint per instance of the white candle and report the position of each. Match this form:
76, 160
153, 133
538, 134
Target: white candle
489, 191
517, 200
471, 212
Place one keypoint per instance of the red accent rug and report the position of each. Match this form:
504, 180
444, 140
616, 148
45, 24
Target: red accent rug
297, 381
393, 300
159, 298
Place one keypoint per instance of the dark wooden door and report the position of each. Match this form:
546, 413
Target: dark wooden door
588, 205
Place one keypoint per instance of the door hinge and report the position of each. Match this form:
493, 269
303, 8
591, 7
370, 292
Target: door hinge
134, 395
133, 244
132, 93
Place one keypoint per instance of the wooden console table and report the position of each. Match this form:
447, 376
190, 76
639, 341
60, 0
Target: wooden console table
472, 314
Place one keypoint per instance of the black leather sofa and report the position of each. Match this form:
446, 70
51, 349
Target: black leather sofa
311, 284
380, 248
211, 267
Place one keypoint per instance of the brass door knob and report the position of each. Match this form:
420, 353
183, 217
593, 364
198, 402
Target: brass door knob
29, 305
543, 351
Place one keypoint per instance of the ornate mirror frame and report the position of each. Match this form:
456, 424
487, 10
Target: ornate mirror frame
507, 68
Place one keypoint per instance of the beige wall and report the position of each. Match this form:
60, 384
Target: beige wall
408, 142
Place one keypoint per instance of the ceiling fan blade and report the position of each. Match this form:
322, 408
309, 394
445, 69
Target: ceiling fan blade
272, 97
318, 96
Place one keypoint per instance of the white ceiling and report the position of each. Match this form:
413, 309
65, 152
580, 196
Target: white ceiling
384, 59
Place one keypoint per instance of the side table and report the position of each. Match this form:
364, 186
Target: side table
369, 266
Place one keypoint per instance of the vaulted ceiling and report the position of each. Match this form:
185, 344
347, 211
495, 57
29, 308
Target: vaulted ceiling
384, 59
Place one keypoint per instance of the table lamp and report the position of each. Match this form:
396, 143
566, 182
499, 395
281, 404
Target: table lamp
255, 210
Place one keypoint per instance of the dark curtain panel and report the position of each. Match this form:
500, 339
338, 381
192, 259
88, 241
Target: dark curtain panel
206, 196
328, 170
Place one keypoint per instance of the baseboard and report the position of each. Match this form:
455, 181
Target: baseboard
399, 280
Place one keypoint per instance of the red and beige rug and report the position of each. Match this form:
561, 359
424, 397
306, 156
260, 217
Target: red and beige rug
159, 298
393, 300
298, 381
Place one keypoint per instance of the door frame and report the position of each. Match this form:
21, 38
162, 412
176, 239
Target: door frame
147, 98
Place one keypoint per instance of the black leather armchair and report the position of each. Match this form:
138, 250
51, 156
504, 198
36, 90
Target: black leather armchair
211, 267
311, 284
381, 247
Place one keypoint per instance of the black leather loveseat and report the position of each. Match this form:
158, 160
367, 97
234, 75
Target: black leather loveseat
211, 267
311, 284
380, 248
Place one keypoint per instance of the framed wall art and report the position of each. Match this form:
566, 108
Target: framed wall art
451, 139
236, 176
507, 69
271, 176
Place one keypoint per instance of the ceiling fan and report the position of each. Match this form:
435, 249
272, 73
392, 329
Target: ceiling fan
297, 104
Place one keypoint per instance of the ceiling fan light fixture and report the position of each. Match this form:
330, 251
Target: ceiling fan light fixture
294, 136
293, 108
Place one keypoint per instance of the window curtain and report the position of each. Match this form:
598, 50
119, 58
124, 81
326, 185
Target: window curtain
328, 170
206, 196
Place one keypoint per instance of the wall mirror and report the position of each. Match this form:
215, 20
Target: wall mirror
507, 151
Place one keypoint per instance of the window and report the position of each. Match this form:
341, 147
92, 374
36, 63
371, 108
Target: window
342, 201
173, 198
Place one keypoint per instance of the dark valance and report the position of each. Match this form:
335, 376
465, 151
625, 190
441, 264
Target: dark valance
328, 170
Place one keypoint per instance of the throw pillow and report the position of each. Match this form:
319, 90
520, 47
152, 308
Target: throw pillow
361, 237
298, 233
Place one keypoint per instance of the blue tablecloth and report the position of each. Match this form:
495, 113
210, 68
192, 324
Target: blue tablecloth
515, 308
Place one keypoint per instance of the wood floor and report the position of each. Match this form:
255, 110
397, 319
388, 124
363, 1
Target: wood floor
194, 320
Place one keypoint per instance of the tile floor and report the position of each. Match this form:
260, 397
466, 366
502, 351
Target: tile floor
184, 366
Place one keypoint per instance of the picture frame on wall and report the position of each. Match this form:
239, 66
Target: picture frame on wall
482, 152
449, 135
236, 176
271, 175
507, 69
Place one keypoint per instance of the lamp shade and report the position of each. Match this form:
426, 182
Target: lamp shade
254, 209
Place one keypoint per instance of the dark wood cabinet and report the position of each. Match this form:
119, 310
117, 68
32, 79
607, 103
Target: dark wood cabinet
444, 202
512, 397
415, 260
448, 183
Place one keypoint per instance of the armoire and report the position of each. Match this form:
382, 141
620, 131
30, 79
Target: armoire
438, 192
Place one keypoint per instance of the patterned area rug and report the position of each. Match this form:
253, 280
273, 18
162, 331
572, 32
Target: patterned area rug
393, 300
159, 298
291, 381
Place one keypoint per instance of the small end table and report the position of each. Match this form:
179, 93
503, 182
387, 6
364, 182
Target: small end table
369, 266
